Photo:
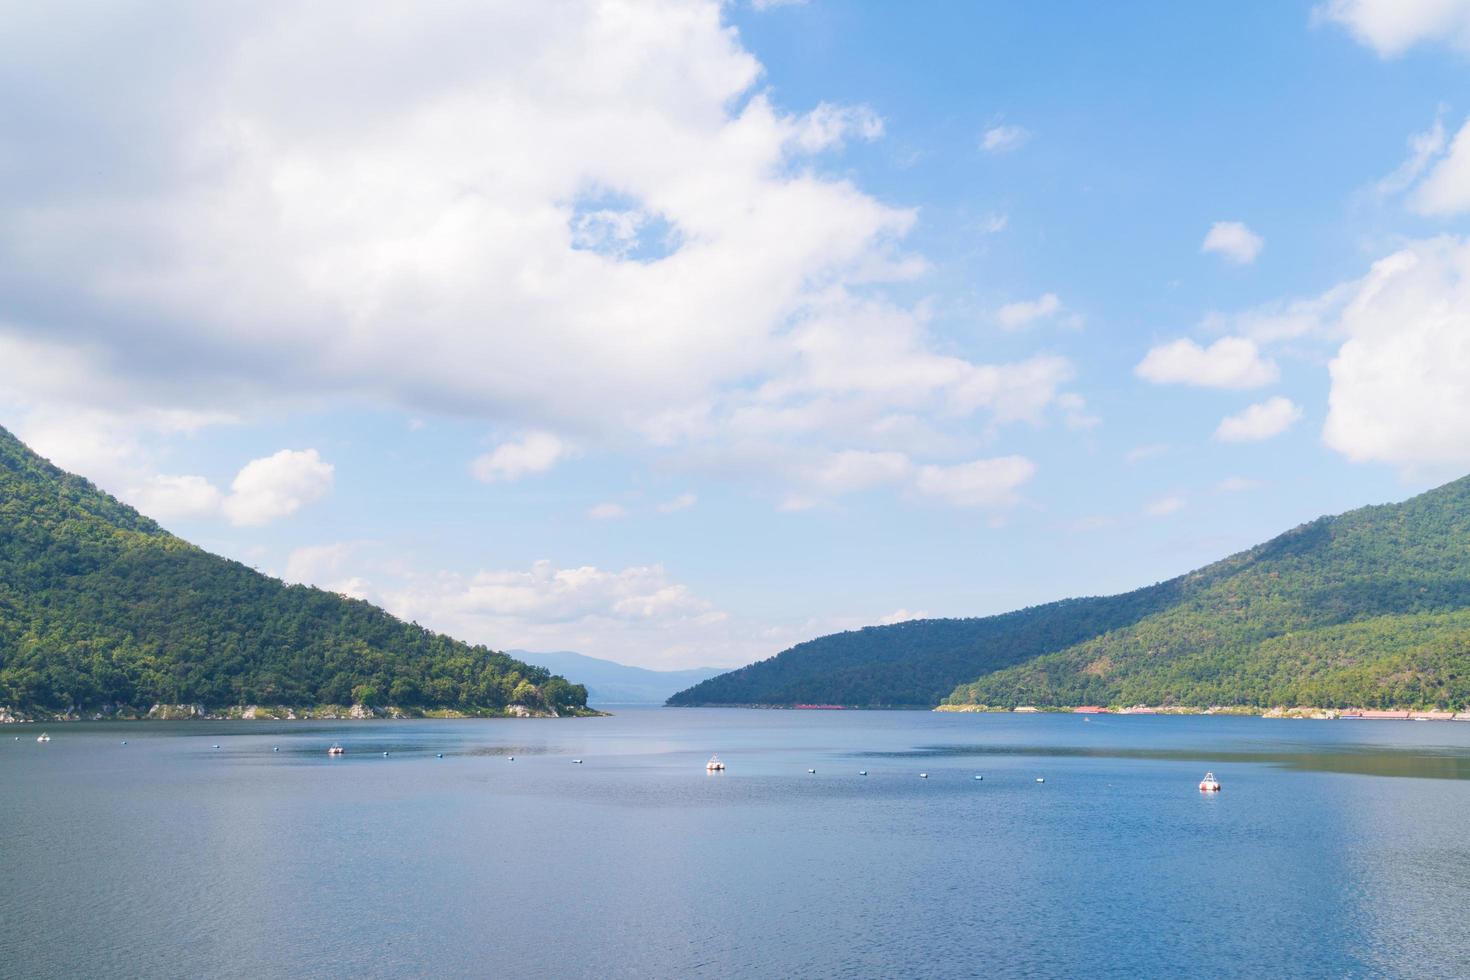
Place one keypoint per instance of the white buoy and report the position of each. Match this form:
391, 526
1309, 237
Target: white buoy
275, 748
125, 741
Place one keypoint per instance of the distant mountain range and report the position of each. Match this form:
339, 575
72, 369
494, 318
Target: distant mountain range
104, 612
610, 683
1367, 609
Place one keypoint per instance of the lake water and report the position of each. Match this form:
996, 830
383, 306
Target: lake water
1335, 849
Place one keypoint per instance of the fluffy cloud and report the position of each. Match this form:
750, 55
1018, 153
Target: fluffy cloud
264, 490
480, 231
982, 483
830, 126
1260, 421
1230, 362
1445, 190
169, 498
636, 614
1399, 393
536, 452
1392, 26
607, 511
1003, 139
277, 486
1014, 316
1234, 241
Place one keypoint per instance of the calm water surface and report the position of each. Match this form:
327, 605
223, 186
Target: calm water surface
1336, 848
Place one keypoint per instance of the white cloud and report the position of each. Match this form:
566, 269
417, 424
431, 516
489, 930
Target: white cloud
168, 498
1165, 506
277, 486
1075, 414
607, 511
1230, 362
981, 483
1003, 139
772, 4
1423, 148
535, 452
1014, 316
1399, 390
1445, 190
636, 615
479, 232
1237, 484
829, 126
900, 616
682, 502
1234, 241
1260, 421
1392, 26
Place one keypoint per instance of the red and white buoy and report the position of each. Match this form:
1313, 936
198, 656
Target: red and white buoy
1209, 784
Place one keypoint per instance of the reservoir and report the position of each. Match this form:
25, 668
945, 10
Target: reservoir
1334, 848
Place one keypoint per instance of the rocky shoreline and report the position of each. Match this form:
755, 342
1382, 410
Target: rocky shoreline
256, 712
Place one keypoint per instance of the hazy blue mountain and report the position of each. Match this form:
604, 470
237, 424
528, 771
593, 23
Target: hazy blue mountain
614, 683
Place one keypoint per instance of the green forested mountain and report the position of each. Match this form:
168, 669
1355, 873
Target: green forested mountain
1367, 609
100, 608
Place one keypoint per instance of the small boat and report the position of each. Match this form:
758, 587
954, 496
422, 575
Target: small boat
438, 755
923, 775
385, 755
811, 770
1040, 780
862, 772
576, 762
1209, 784
714, 764
43, 737
979, 777
336, 750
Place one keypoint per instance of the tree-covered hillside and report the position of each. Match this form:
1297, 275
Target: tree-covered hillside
1370, 609
100, 607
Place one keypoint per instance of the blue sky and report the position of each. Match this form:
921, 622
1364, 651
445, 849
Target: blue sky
676, 332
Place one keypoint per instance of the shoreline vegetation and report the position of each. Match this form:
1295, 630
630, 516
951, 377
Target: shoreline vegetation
1320, 714
255, 712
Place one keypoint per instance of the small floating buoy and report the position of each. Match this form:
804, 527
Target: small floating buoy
1209, 784
275, 748
125, 741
